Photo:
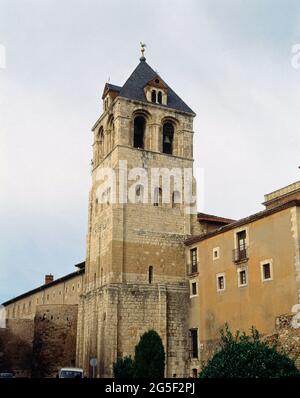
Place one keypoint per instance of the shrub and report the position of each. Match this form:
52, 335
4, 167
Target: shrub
123, 368
242, 355
149, 356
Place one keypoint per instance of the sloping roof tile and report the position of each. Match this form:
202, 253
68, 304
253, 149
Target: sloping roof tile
134, 88
214, 219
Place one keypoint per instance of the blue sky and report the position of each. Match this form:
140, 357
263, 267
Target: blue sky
229, 60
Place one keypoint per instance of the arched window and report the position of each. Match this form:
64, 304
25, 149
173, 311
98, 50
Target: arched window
139, 131
150, 274
176, 198
139, 194
157, 197
108, 195
100, 143
168, 135
153, 96
112, 133
159, 97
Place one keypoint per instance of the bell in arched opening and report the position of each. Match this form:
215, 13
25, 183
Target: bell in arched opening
168, 135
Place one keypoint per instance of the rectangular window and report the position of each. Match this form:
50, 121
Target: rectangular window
194, 289
241, 240
220, 282
193, 254
194, 342
242, 278
216, 253
241, 251
266, 270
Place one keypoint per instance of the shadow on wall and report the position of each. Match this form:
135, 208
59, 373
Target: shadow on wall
16, 351
40, 347
54, 344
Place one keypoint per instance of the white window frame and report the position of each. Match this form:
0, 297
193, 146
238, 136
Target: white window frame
219, 275
262, 263
236, 231
217, 250
191, 289
239, 270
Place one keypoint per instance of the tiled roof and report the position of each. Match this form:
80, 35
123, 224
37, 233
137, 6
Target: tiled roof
134, 88
214, 219
45, 286
243, 221
113, 87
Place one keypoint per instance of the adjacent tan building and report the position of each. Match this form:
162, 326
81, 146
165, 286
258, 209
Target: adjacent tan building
246, 273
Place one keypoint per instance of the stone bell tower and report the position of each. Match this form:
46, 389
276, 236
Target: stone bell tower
135, 264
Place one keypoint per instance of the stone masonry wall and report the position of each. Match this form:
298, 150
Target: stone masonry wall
177, 330
16, 340
54, 345
124, 313
285, 336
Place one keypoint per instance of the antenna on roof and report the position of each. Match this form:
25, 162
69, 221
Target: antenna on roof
143, 46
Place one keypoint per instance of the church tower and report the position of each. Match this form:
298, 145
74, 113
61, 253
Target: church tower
135, 277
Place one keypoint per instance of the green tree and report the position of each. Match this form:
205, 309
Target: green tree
242, 355
123, 368
149, 358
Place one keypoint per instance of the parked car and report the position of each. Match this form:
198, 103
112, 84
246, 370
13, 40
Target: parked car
70, 373
6, 375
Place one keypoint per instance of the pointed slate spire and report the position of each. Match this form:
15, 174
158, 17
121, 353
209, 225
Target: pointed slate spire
134, 88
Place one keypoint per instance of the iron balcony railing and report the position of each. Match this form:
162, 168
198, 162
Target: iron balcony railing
192, 269
240, 254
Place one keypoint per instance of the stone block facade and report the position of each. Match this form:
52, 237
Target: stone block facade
54, 346
16, 341
112, 319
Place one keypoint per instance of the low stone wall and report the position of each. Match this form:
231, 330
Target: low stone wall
287, 337
54, 339
113, 318
16, 346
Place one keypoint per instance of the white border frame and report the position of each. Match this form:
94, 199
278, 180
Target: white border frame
262, 263
194, 280
239, 270
216, 249
221, 274
236, 231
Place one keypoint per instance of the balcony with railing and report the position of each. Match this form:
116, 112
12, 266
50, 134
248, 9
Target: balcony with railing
240, 255
192, 269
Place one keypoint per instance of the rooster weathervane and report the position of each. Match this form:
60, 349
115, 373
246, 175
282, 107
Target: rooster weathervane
143, 46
